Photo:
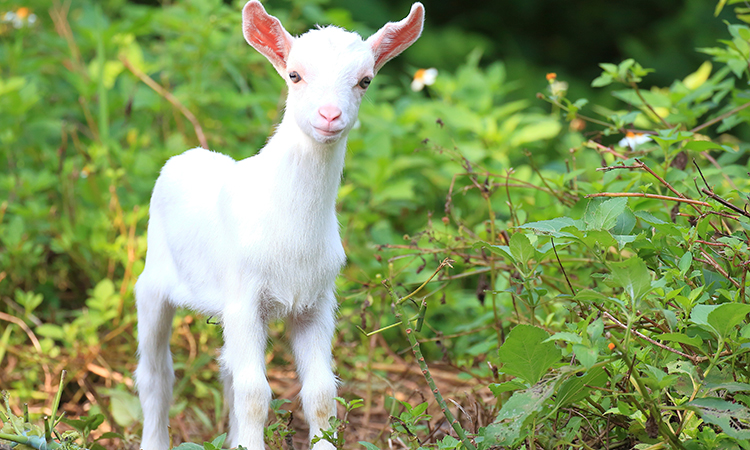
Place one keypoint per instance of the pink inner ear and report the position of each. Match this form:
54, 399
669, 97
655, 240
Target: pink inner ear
393, 42
266, 34
394, 38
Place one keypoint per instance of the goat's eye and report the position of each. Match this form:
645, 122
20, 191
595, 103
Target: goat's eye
364, 82
295, 77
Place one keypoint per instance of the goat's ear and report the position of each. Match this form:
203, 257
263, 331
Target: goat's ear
266, 34
395, 37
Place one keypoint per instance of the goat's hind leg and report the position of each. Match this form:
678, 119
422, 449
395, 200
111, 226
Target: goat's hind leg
154, 375
233, 428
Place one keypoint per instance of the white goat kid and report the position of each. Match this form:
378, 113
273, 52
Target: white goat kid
252, 240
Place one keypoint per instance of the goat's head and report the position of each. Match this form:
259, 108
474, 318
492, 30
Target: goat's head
328, 69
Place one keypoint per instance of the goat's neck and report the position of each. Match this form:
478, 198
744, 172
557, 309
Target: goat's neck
306, 173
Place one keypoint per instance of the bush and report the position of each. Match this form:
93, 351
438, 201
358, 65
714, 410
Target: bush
599, 256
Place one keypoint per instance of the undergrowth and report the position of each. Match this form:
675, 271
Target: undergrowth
589, 265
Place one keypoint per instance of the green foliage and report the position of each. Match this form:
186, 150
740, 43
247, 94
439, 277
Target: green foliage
527, 354
216, 444
598, 288
335, 434
280, 431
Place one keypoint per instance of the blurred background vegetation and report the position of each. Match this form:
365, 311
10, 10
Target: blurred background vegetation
96, 95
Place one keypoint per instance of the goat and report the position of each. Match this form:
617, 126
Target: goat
253, 240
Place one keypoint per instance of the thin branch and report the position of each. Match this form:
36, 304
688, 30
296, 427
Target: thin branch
639, 194
446, 262
715, 163
170, 98
25, 328
725, 203
634, 85
566, 109
712, 262
721, 117
644, 337
606, 149
572, 291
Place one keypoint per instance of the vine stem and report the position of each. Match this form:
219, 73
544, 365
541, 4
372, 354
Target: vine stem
399, 305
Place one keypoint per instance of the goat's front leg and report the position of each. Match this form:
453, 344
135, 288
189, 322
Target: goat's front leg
311, 334
245, 335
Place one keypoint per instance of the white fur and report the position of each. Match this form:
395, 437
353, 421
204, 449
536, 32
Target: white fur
252, 240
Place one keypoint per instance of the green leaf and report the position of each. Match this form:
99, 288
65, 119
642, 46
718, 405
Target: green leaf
658, 379
538, 130
576, 388
732, 418
552, 227
625, 223
521, 248
730, 386
566, 336
125, 407
587, 356
682, 338
631, 275
515, 414
512, 385
598, 239
702, 146
699, 316
448, 442
368, 445
526, 355
602, 80
685, 262
419, 409
724, 318
590, 295
719, 7
502, 250
110, 435
603, 215
51, 331
189, 446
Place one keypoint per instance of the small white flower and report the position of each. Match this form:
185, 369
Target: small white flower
424, 77
557, 88
633, 140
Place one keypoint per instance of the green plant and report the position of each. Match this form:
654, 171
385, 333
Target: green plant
598, 289
21, 431
279, 433
336, 433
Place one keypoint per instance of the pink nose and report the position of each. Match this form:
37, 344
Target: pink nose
329, 112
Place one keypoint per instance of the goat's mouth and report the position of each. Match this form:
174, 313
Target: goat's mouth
328, 133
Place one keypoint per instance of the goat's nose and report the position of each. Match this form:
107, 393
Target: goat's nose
329, 112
